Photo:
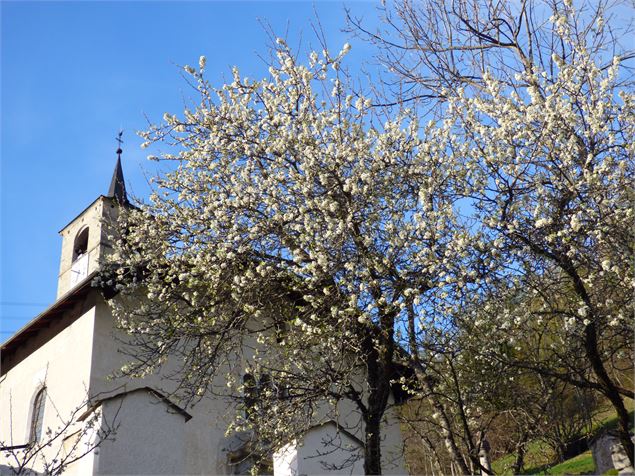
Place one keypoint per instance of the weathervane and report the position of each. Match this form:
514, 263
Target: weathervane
120, 141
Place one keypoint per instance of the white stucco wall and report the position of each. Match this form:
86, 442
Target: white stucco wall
285, 460
150, 437
81, 447
324, 450
204, 435
76, 362
61, 363
349, 418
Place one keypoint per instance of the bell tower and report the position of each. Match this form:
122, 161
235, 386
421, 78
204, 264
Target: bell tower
85, 240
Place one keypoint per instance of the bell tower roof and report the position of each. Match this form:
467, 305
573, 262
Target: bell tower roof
117, 188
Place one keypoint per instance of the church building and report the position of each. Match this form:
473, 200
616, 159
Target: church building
61, 410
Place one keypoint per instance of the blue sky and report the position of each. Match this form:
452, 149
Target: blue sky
73, 73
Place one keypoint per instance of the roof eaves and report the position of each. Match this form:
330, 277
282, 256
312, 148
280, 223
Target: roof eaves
61, 302
99, 401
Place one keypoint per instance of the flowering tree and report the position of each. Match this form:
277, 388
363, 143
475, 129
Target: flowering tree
299, 225
537, 102
306, 240
550, 170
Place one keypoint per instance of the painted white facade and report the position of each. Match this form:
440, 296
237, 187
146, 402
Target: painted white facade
71, 350
329, 449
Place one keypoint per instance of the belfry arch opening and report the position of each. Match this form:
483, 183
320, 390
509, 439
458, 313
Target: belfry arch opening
80, 245
79, 266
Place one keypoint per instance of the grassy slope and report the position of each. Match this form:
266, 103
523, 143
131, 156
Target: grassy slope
581, 464
539, 456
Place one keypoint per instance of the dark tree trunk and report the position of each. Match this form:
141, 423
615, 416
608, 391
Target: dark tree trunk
611, 391
519, 463
609, 388
372, 450
378, 364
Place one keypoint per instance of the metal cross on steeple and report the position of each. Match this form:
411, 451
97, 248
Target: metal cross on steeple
120, 141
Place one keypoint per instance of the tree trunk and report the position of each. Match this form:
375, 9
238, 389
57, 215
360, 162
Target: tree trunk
484, 459
611, 392
372, 450
560, 450
425, 381
444, 423
593, 355
378, 365
519, 463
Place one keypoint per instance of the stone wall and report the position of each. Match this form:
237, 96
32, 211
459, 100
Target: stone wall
608, 453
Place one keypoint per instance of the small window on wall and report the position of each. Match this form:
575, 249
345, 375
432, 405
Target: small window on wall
37, 415
80, 246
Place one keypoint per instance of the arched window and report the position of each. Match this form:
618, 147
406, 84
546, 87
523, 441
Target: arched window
80, 246
37, 415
